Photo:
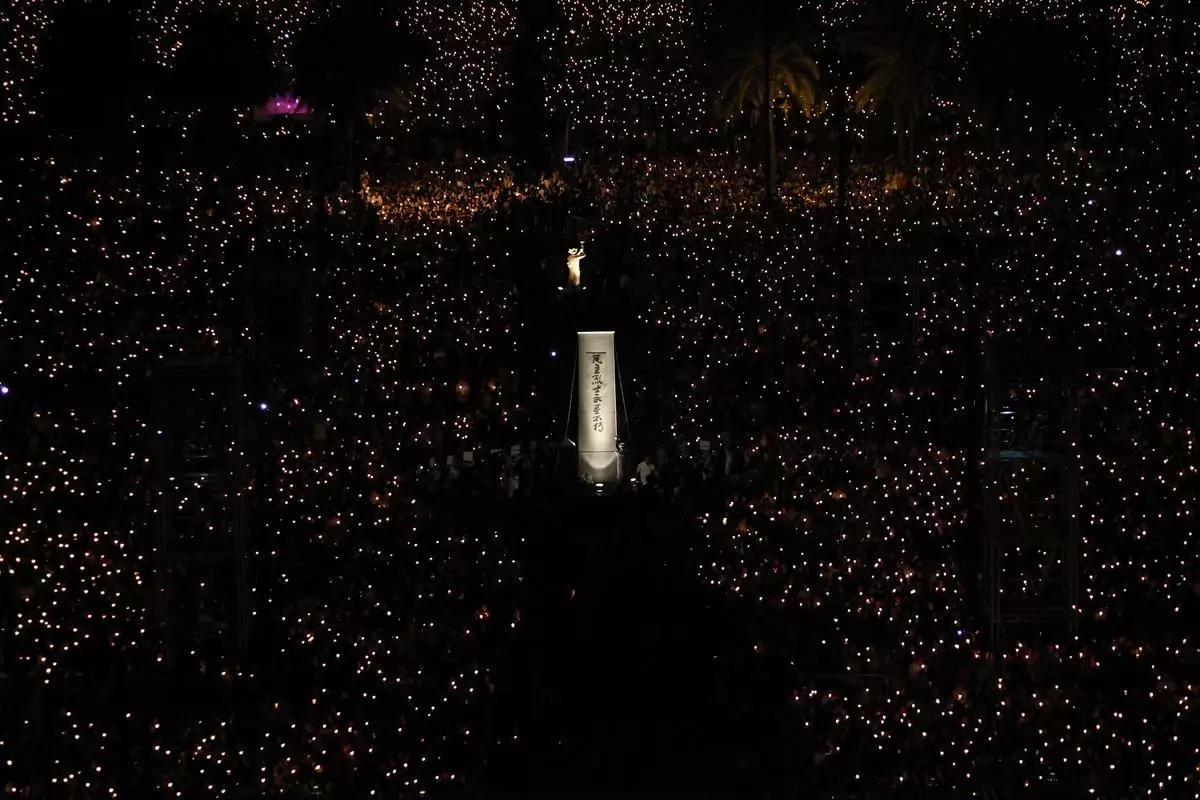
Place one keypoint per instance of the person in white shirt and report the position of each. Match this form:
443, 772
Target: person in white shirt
644, 470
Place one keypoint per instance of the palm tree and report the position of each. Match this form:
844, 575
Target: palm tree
904, 77
836, 89
764, 79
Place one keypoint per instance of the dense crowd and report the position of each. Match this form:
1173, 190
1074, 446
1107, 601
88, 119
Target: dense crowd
806, 387
844, 483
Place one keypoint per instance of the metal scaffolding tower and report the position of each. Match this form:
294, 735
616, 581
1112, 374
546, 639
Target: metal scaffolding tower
1030, 493
201, 486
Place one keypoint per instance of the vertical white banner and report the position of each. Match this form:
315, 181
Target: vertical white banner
599, 461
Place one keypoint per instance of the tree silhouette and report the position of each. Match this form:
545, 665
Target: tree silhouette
766, 69
837, 81
765, 80
903, 71
905, 79
794, 79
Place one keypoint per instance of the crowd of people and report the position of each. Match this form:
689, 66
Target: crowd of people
805, 386
843, 471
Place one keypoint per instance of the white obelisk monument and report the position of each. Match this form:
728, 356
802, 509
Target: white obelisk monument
599, 461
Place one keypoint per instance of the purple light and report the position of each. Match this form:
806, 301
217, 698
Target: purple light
568, 159
3, 389
285, 105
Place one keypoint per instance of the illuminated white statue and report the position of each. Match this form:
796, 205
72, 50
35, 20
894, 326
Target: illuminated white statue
574, 272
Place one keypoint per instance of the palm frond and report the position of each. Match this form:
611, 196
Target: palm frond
793, 74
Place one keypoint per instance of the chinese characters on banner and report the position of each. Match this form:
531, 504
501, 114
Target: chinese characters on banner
597, 392
599, 461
